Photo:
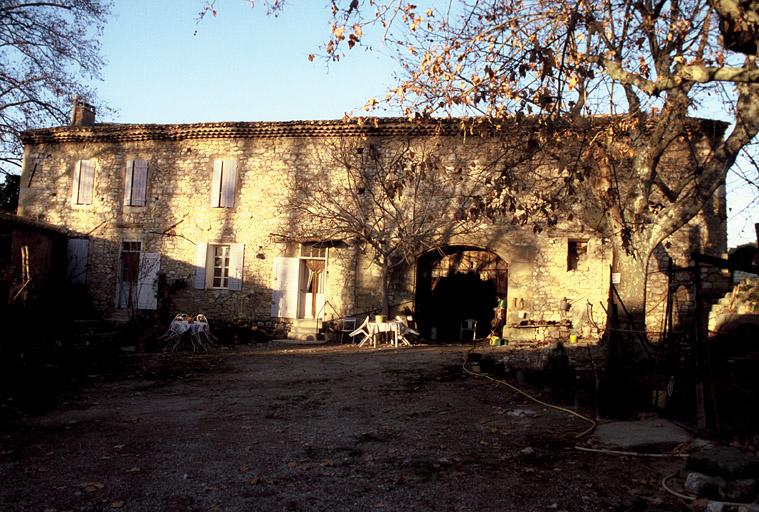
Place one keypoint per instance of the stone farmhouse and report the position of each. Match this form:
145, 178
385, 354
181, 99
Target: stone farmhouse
194, 218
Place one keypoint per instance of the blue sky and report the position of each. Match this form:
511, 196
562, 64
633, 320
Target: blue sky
242, 65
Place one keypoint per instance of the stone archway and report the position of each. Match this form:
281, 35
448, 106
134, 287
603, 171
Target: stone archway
457, 282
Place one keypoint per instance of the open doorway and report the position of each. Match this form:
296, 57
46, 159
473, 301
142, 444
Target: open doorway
455, 283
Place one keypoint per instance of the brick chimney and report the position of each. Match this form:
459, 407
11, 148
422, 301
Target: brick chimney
82, 113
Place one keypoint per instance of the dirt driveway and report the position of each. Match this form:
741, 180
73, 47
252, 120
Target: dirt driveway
328, 428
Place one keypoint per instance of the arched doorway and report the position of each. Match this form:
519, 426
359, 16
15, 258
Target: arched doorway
455, 283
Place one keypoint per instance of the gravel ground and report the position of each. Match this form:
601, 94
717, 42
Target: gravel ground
326, 428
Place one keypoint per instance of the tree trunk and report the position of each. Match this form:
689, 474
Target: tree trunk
630, 296
385, 287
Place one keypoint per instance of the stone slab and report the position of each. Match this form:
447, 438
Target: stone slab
724, 461
642, 434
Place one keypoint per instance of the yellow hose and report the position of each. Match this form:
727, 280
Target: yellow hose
536, 400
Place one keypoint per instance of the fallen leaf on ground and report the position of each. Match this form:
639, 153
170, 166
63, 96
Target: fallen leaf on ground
255, 480
244, 468
117, 504
292, 464
91, 486
327, 462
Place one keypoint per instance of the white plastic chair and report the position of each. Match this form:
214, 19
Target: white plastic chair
362, 329
348, 326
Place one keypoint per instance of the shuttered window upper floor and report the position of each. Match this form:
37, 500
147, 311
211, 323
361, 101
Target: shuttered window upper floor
136, 183
224, 183
137, 175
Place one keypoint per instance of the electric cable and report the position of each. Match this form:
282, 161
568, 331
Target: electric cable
631, 454
585, 432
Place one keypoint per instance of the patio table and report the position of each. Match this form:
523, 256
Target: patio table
397, 331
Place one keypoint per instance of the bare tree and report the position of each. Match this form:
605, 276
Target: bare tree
394, 198
48, 53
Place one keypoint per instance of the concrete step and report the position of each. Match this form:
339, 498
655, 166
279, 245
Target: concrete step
304, 329
118, 316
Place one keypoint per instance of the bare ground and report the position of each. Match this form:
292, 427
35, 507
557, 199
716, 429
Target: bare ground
328, 428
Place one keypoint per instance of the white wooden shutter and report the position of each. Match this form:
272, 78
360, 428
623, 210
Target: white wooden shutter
201, 254
147, 280
236, 256
140, 183
228, 183
86, 182
128, 182
77, 253
216, 184
75, 187
284, 287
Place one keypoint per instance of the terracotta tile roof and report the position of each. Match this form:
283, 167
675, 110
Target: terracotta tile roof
106, 132
374, 126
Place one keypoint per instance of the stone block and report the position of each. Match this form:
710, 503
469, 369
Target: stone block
704, 486
727, 462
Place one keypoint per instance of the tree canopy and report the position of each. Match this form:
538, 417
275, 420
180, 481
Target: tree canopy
48, 53
646, 64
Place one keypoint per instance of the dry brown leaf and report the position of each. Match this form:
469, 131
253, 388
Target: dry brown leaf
244, 468
91, 486
117, 504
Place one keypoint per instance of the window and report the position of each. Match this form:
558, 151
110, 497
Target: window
136, 183
219, 266
219, 270
313, 250
577, 252
223, 183
84, 181
130, 260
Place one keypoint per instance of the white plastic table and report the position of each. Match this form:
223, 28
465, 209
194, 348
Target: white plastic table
396, 329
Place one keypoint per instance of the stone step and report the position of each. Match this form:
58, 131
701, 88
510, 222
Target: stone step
304, 328
118, 316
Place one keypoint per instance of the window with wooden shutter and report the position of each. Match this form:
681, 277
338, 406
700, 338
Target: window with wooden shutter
219, 266
223, 183
136, 183
84, 181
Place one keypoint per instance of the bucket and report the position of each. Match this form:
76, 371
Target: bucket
379, 318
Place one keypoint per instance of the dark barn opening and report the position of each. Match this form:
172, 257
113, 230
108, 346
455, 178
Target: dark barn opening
456, 283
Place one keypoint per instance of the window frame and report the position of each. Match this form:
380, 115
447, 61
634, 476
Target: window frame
205, 263
211, 256
577, 254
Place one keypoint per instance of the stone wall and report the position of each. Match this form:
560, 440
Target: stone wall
178, 216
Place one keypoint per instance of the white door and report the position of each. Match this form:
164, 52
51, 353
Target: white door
284, 301
311, 304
